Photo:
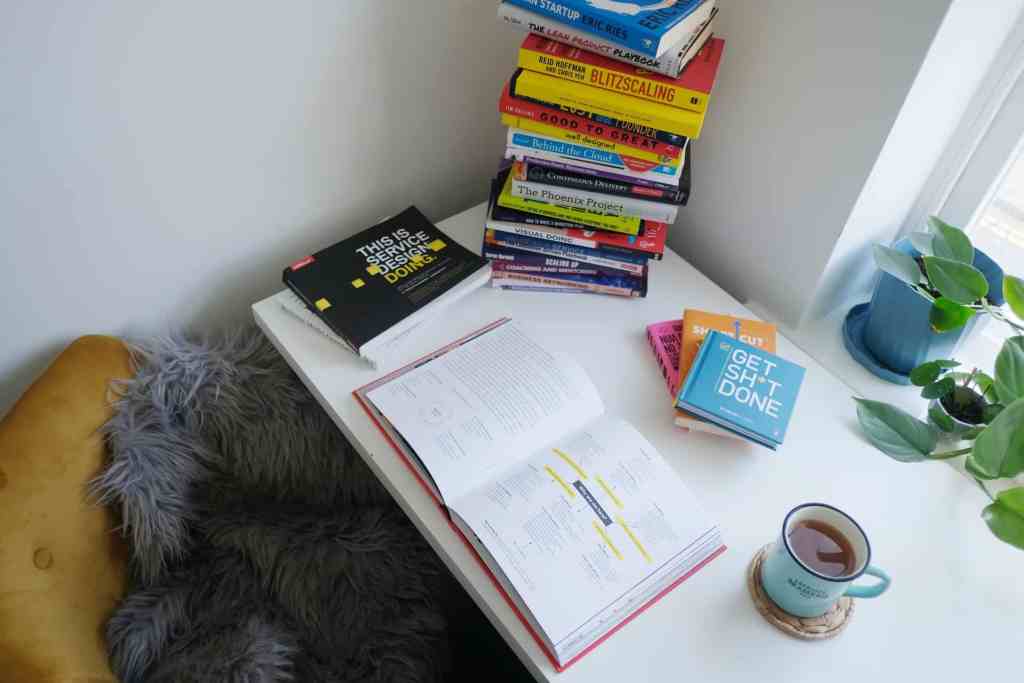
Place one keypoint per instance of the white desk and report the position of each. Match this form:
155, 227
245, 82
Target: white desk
957, 599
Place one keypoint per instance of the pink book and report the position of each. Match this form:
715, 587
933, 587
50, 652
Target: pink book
665, 340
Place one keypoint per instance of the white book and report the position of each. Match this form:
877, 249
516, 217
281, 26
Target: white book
578, 518
670, 63
595, 202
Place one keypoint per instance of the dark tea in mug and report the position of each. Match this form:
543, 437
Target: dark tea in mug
823, 548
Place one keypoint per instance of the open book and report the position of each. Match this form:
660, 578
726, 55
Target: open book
579, 520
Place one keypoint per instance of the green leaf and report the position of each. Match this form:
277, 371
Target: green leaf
1005, 516
999, 450
941, 419
895, 432
971, 465
922, 241
1013, 290
960, 282
983, 382
939, 389
901, 266
1013, 499
1010, 370
925, 373
991, 412
946, 315
950, 242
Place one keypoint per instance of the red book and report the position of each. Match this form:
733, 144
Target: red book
581, 527
690, 90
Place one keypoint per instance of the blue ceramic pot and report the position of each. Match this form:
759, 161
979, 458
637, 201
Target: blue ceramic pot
897, 332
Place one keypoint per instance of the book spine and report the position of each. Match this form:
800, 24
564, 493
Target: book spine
550, 235
620, 224
593, 201
634, 266
535, 160
594, 287
580, 15
528, 112
613, 79
501, 283
501, 264
592, 183
626, 126
581, 97
533, 142
580, 138
660, 355
668, 64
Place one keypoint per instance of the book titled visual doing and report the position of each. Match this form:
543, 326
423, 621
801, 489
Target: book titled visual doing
742, 388
366, 285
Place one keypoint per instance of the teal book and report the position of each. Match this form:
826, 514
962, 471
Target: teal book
742, 388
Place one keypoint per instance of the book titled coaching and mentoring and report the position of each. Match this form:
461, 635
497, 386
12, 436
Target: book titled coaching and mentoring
580, 521
370, 289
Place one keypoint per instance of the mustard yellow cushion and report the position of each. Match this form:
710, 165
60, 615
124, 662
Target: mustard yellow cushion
62, 566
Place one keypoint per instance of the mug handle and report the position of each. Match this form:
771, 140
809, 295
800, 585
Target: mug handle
874, 590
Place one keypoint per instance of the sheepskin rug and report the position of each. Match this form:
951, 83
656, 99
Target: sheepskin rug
262, 548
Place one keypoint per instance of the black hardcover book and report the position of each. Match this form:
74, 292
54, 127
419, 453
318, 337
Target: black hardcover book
539, 172
369, 284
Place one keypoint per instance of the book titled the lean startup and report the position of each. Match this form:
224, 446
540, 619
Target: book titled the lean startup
742, 388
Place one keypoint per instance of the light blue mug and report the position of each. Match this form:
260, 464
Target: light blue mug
804, 592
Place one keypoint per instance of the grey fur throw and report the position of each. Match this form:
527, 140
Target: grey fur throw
262, 548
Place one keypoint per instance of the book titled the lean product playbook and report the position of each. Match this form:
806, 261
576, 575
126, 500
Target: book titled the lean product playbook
580, 521
743, 388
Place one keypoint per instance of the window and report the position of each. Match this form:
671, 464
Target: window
998, 229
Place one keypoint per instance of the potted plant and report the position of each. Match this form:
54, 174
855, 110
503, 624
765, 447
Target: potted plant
934, 288
972, 414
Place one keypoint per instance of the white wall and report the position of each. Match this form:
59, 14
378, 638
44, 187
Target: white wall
944, 92
807, 93
162, 161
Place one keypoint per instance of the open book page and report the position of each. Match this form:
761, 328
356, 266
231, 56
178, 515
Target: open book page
584, 523
475, 410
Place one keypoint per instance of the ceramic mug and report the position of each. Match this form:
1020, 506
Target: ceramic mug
800, 590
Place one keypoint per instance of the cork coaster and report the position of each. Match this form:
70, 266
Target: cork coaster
826, 626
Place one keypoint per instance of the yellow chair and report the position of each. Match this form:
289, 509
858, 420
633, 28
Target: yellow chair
62, 563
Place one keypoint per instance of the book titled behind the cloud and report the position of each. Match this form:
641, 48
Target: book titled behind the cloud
742, 388
370, 288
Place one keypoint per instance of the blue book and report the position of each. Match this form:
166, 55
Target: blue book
650, 27
742, 388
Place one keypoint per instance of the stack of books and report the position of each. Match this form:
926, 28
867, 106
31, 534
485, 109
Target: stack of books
724, 377
601, 114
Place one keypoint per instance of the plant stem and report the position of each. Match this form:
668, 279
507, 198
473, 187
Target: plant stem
982, 485
950, 454
999, 315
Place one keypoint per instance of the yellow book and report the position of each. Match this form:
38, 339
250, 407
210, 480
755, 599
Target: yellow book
582, 97
628, 225
690, 90
588, 140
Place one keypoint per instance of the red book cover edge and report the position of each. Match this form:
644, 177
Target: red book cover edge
469, 546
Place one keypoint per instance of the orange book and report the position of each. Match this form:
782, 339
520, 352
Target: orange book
696, 326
